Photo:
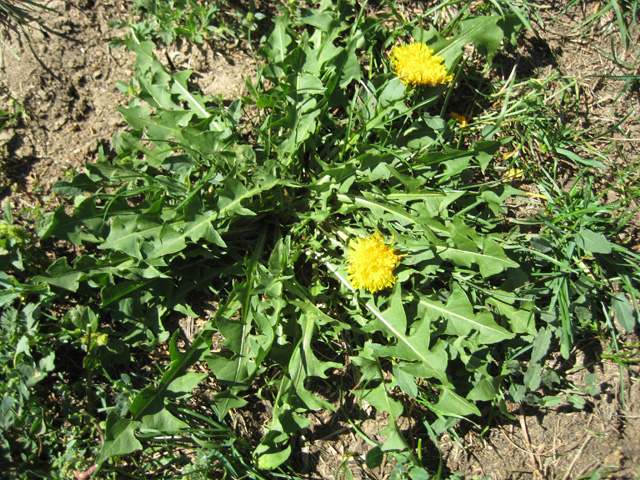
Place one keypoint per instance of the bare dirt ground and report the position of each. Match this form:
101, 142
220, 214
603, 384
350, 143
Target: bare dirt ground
64, 77
63, 74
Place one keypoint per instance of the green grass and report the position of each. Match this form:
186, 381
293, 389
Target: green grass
192, 217
618, 16
191, 21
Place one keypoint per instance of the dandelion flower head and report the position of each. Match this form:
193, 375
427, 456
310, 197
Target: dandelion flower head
371, 262
461, 119
416, 64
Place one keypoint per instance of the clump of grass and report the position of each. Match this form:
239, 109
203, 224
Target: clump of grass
16, 15
18, 11
624, 13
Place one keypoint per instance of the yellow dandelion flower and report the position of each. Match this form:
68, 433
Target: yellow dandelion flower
461, 119
513, 174
416, 64
371, 263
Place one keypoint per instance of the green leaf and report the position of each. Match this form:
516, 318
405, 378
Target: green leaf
293, 392
272, 451
316, 57
451, 404
483, 391
120, 437
148, 406
269, 461
167, 242
541, 345
379, 398
395, 440
161, 421
484, 32
305, 364
405, 381
624, 311
485, 151
229, 400
114, 293
491, 260
184, 385
237, 366
47, 363
7, 212
578, 159
231, 197
394, 91
461, 319
532, 377
144, 55
368, 365
308, 84
348, 64
594, 242
80, 184
428, 226
550, 401
521, 318
77, 229
275, 48
374, 457
164, 126
438, 357
129, 234
412, 347
304, 125
324, 21
196, 102
10, 289
62, 275
155, 85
